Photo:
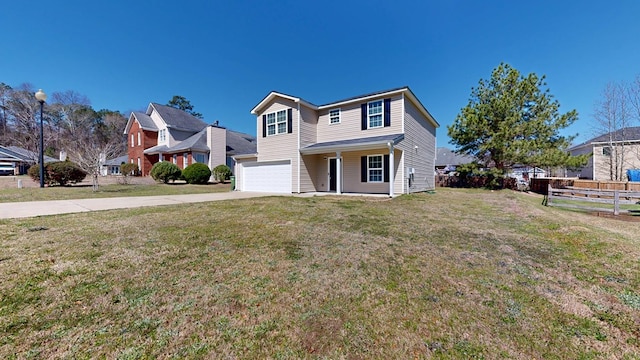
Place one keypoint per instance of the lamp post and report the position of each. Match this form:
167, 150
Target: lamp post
41, 97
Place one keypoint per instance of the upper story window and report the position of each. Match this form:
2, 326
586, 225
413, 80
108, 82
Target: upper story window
375, 114
334, 116
277, 122
133, 140
139, 139
606, 151
162, 135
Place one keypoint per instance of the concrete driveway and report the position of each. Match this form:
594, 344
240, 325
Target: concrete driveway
54, 207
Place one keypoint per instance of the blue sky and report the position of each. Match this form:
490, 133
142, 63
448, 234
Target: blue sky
226, 56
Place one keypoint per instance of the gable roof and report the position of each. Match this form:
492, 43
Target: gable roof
145, 121
401, 90
626, 134
240, 143
237, 143
446, 156
177, 119
15, 153
117, 161
273, 94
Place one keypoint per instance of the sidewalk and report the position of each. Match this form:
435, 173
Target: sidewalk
39, 208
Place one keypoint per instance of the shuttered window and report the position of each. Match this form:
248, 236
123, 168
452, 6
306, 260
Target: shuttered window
278, 122
376, 114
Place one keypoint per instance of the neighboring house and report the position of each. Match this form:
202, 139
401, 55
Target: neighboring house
618, 150
16, 160
447, 160
382, 142
112, 166
164, 133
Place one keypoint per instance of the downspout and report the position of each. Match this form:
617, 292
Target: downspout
403, 176
391, 169
299, 156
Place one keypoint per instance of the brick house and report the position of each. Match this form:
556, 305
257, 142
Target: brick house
164, 133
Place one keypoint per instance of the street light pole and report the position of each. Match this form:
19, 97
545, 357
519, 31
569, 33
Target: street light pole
41, 97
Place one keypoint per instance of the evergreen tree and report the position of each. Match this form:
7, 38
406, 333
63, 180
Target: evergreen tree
180, 102
510, 119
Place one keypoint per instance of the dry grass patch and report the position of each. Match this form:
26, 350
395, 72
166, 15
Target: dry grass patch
456, 274
109, 187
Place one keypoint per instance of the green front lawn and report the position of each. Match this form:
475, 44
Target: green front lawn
453, 275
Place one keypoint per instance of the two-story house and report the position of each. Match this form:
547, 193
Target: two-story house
382, 142
164, 133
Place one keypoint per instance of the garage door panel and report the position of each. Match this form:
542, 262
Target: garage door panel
267, 177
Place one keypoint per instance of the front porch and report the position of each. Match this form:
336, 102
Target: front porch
361, 166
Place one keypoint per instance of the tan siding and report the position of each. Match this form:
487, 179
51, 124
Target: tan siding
352, 173
601, 163
586, 172
350, 123
281, 146
217, 143
419, 149
310, 181
309, 126
308, 134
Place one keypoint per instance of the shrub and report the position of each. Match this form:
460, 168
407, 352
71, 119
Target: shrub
34, 173
128, 169
165, 171
221, 173
196, 173
59, 172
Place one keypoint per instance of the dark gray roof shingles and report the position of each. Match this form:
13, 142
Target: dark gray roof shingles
373, 139
145, 121
178, 119
446, 156
628, 133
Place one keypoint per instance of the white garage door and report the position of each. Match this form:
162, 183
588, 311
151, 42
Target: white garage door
267, 177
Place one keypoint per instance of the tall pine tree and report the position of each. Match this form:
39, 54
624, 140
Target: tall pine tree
510, 119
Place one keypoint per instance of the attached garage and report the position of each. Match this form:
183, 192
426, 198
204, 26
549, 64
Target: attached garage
272, 176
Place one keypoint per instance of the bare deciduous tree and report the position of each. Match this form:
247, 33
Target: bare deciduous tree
613, 118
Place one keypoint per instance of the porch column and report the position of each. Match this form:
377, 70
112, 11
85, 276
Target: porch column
338, 174
391, 170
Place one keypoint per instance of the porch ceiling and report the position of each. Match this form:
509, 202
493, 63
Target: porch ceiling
370, 143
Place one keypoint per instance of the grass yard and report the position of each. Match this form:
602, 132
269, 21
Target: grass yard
108, 187
457, 274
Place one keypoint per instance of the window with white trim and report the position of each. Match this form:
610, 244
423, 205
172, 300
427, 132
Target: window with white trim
133, 140
185, 160
139, 139
375, 168
175, 159
374, 114
162, 135
277, 122
334, 116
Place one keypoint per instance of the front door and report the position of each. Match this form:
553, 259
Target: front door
332, 174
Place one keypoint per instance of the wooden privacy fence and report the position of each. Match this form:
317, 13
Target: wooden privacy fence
593, 196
